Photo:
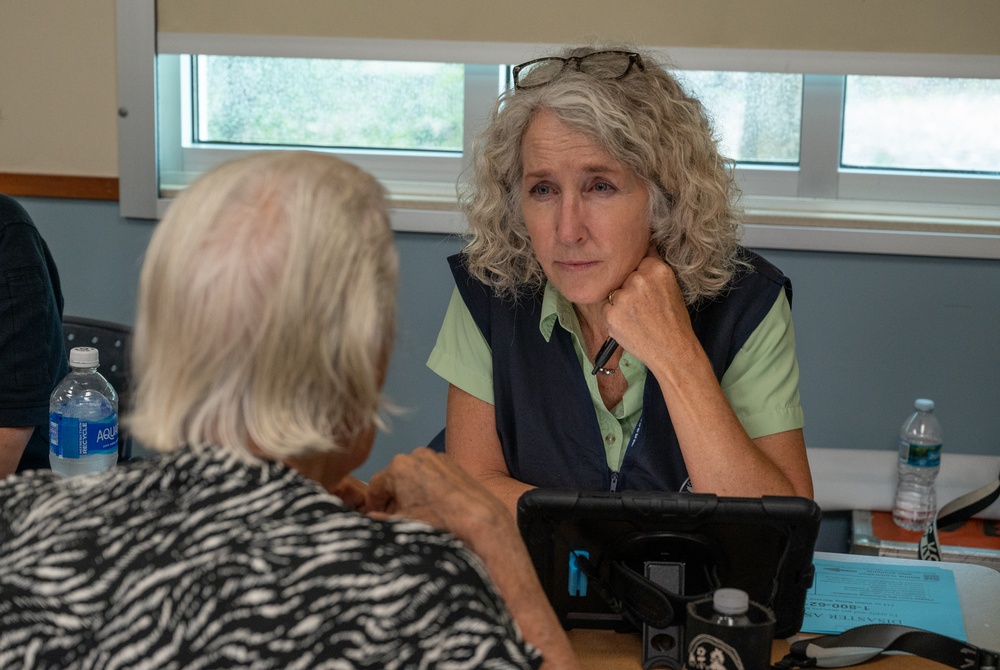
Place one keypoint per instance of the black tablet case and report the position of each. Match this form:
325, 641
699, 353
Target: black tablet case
761, 545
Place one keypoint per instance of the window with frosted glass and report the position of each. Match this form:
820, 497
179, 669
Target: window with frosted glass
328, 103
922, 123
756, 115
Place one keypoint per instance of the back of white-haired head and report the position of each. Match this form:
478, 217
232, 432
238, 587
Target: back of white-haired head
266, 309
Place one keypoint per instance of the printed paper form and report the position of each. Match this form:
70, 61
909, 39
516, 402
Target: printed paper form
846, 595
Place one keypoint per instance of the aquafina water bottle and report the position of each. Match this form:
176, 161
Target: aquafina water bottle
83, 418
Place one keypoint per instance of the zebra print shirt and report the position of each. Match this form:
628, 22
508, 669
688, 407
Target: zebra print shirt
200, 560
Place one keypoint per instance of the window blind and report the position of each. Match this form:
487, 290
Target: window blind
961, 27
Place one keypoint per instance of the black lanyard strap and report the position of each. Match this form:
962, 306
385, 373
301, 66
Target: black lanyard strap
864, 643
954, 513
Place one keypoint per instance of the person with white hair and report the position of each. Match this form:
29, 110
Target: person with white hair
264, 328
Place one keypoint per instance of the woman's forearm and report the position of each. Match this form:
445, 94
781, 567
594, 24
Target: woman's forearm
506, 488
720, 457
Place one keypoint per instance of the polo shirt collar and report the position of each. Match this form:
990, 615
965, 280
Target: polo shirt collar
555, 307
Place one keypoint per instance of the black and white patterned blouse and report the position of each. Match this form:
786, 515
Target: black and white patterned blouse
199, 560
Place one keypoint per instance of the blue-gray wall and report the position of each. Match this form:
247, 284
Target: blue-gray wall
874, 332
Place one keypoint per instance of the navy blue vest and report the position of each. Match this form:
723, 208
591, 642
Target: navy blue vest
544, 413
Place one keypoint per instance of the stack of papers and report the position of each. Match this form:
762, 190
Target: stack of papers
849, 594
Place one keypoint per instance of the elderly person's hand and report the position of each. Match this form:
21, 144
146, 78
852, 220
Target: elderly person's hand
353, 492
431, 487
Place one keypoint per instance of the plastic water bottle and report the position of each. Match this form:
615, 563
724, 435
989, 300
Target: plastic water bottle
919, 461
731, 607
83, 418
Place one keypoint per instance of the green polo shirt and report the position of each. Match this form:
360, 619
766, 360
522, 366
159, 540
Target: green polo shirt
761, 384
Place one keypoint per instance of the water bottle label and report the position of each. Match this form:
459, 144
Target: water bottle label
920, 456
70, 437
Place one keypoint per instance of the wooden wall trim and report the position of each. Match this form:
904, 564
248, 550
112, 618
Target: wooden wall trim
59, 186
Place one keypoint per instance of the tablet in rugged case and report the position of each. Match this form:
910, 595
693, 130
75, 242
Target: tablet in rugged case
761, 545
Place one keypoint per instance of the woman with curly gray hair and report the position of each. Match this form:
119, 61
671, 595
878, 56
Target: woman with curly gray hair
602, 220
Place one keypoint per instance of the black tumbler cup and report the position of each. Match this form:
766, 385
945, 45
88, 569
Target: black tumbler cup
711, 646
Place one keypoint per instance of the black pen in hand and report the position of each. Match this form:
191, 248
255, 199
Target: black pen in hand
604, 355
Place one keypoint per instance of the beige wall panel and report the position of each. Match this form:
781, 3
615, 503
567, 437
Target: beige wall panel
899, 26
57, 57
57, 87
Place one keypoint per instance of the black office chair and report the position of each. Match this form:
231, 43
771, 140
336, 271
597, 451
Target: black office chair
112, 343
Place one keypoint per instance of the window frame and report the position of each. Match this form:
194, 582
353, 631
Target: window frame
813, 206
408, 175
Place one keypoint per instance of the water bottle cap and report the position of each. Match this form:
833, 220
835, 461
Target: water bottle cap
923, 405
83, 357
730, 601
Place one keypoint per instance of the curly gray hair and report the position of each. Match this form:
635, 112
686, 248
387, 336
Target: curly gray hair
646, 121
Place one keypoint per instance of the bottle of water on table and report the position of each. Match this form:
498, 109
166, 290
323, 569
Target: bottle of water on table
83, 418
731, 607
919, 461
